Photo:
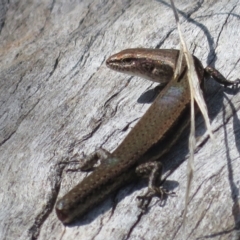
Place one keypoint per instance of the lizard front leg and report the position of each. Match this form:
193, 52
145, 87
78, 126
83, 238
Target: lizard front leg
218, 77
88, 162
91, 159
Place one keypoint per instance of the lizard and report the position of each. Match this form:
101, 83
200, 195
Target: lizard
157, 131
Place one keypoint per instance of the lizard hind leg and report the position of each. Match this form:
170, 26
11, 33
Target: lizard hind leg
152, 170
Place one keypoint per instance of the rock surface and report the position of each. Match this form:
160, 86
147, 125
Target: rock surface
58, 98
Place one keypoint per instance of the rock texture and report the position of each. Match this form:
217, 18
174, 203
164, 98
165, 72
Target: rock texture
58, 98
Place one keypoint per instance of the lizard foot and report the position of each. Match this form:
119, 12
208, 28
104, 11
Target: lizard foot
160, 192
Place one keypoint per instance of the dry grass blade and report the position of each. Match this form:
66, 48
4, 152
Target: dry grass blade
196, 94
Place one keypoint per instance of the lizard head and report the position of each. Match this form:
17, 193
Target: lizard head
153, 64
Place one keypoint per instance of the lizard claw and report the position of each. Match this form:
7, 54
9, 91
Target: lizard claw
236, 83
161, 193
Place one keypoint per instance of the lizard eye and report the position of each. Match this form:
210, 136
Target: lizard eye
127, 60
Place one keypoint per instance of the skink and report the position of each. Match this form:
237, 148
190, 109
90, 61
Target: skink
160, 126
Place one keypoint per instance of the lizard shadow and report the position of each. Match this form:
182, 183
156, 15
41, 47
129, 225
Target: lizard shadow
150, 95
214, 96
233, 185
